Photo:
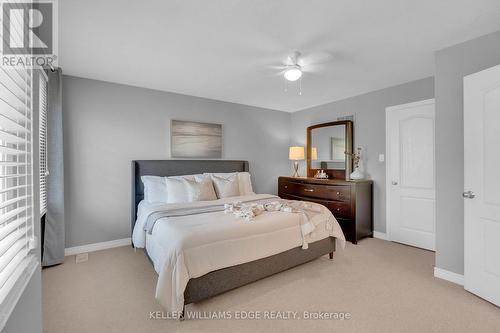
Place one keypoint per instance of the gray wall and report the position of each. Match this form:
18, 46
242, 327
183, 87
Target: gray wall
107, 125
369, 128
452, 64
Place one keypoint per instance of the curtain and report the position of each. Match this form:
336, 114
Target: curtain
54, 240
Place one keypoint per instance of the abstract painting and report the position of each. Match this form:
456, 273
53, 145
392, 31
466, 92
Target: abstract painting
191, 139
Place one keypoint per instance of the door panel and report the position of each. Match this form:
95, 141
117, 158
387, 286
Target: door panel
481, 176
491, 245
417, 149
410, 174
491, 158
414, 214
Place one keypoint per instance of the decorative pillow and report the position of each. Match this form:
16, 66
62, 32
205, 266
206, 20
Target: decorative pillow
177, 189
245, 183
226, 186
200, 191
155, 189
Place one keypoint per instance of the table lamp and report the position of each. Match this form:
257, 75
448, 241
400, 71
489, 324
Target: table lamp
296, 154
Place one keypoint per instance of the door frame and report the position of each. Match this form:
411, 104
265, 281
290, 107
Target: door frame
388, 184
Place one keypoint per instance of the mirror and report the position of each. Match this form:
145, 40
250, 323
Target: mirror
329, 148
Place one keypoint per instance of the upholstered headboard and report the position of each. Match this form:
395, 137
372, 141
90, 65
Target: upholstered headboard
167, 168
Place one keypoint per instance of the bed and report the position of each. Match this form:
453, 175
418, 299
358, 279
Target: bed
250, 252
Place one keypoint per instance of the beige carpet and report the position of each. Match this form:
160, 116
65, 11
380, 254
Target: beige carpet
386, 287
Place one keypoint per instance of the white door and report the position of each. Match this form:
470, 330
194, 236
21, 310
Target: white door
482, 179
410, 174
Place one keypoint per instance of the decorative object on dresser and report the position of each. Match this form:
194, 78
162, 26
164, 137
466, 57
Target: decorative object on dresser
350, 201
321, 174
193, 139
296, 154
357, 174
329, 148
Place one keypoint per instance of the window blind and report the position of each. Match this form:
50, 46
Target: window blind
17, 241
44, 169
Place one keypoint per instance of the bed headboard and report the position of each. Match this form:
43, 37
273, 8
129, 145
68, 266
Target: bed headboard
175, 168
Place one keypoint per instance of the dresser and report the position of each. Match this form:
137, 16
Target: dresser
350, 201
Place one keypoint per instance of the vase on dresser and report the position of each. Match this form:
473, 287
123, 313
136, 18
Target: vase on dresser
357, 174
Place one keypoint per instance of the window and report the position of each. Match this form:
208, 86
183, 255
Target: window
44, 171
17, 258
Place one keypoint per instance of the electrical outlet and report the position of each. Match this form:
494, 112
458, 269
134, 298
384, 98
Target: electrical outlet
381, 158
82, 257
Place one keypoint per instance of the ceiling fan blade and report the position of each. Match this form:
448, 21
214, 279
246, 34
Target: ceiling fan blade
316, 58
314, 68
277, 67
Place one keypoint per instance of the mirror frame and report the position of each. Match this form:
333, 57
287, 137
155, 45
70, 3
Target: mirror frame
348, 148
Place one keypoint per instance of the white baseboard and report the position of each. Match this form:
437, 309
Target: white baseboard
70, 251
449, 276
380, 235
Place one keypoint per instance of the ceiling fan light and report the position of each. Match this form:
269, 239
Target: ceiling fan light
293, 73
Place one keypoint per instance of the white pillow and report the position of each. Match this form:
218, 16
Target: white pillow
245, 183
155, 189
177, 191
200, 191
226, 185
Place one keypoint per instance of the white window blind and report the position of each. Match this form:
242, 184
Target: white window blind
17, 258
44, 169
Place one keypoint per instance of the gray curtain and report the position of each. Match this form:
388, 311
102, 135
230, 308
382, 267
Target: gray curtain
53, 248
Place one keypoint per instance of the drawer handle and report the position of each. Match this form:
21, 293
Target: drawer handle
338, 209
286, 186
338, 193
308, 190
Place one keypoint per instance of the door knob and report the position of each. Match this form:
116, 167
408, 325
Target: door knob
468, 195
394, 182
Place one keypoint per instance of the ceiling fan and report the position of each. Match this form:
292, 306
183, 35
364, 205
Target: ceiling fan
293, 70
296, 65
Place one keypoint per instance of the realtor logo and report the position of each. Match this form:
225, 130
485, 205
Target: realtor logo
28, 33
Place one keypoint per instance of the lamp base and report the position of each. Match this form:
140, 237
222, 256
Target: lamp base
296, 169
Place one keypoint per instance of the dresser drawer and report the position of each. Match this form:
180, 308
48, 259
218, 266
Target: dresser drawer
339, 209
329, 192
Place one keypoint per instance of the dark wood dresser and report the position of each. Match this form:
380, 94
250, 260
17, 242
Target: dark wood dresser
349, 201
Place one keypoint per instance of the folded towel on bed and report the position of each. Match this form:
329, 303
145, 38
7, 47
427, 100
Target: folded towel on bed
247, 212
251, 210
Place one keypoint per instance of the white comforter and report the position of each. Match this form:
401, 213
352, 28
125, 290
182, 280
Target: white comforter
194, 245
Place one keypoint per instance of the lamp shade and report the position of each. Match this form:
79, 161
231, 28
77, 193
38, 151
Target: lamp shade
296, 153
314, 153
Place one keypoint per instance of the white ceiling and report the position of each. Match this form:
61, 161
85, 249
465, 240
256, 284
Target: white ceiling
226, 49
